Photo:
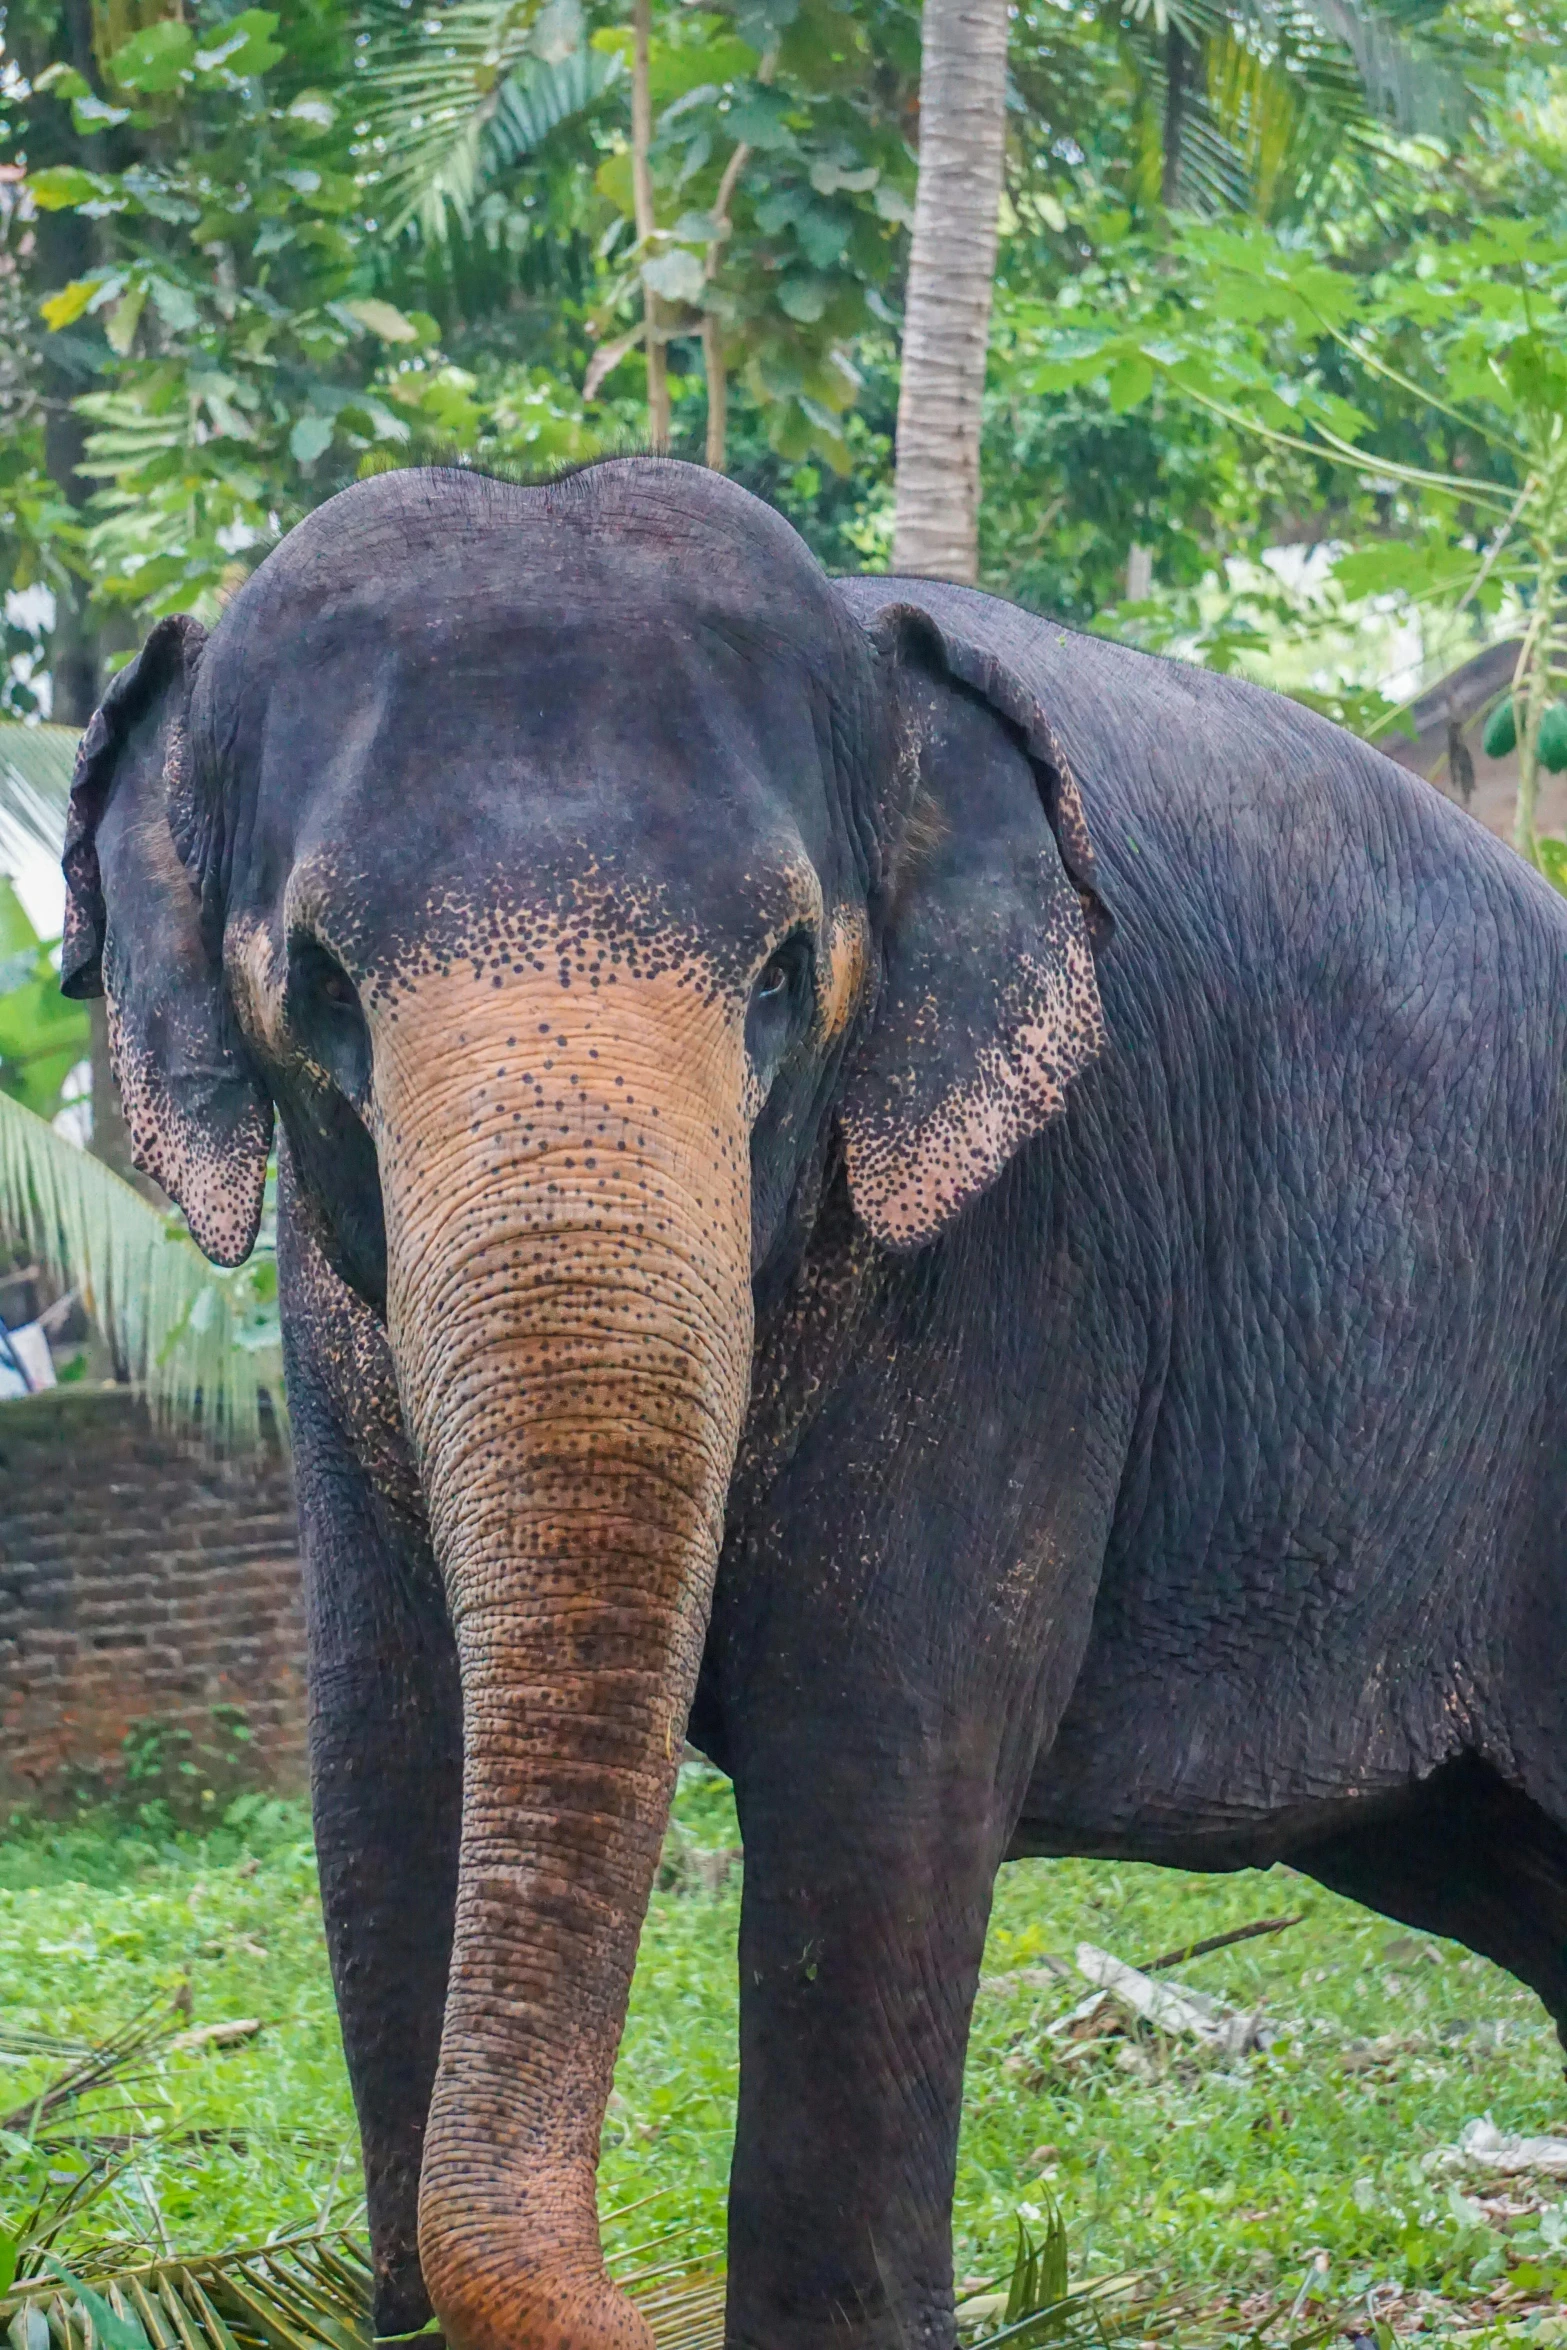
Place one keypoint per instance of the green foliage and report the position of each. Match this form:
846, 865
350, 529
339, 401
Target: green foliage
783, 178
1419, 407
170, 1776
1231, 2179
36, 763
326, 237
42, 1037
203, 1342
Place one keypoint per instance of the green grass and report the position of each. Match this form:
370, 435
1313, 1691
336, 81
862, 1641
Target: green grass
1235, 2177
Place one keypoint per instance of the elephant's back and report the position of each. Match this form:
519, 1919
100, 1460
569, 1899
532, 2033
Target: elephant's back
1285, 873
1337, 1012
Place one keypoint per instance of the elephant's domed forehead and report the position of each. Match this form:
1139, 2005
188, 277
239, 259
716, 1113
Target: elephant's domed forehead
447, 688
645, 535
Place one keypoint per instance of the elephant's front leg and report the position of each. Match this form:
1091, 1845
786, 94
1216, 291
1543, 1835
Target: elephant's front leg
870, 1850
385, 1745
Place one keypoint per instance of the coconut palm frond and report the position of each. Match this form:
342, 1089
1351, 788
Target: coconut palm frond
198, 1340
88, 2068
1291, 95
429, 83
539, 97
304, 2292
1417, 92
451, 97
35, 783
683, 2313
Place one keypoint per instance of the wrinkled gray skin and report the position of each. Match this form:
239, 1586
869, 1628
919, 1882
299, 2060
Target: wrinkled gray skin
1064, 1353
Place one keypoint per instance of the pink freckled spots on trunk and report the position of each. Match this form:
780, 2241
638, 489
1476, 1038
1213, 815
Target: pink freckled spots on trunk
574, 1375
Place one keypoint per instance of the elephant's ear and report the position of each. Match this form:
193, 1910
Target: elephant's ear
139, 860
989, 1005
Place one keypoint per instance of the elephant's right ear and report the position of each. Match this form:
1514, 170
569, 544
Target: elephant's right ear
138, 852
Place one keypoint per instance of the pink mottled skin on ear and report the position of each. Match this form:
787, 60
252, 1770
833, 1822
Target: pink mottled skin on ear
907, 1181
219, 1179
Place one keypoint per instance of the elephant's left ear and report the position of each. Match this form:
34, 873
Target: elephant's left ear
141, 929
989, 1005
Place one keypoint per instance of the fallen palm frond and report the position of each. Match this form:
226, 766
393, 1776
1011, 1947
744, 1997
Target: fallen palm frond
311, 2290
91, 2069
305, 2292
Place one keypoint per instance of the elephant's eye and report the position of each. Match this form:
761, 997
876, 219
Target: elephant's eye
780, 991
325, 1015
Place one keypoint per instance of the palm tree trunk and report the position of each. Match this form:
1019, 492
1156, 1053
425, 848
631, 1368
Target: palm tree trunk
947, 310
642, 198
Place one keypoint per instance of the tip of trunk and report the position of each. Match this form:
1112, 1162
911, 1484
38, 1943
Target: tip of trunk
509, 2293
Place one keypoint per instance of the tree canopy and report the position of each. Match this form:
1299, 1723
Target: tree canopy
1277, 340
251, 253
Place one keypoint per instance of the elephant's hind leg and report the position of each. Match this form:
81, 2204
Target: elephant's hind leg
1466, 1855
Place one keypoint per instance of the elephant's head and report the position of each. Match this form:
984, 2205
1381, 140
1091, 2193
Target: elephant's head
565, 864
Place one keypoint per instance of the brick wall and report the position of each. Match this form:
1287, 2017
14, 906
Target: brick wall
141, 1581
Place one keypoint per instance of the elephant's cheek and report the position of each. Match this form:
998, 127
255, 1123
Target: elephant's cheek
565, 1170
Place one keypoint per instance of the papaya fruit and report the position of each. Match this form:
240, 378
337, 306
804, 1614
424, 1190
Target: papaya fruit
1501, 730
1552, 743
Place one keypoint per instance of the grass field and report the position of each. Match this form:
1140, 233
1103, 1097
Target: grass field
1291, 2179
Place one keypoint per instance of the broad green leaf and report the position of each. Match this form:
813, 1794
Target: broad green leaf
1392, 567
63, 185
63, 308
154, 59
173, 304
383, 319
92, 114
63, 81
125, 317
613, 182
760, 120
804, 298
892, 204
113, 2332
17, 935
678, 275
310, 438
1131, 381
823, 234
828, 177
246, 49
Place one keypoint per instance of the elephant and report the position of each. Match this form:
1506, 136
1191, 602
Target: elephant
969, 1218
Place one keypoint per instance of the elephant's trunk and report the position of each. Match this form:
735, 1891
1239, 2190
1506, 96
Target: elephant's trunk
565, 1173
